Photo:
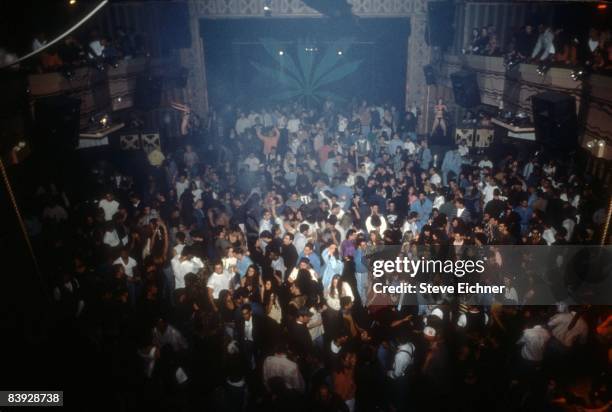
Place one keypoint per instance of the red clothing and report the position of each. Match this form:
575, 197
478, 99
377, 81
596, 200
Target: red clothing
324, 153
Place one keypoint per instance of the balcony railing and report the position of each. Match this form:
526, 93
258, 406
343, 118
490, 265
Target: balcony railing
516, 86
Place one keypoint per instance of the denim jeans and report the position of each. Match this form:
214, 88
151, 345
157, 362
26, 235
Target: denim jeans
362, 280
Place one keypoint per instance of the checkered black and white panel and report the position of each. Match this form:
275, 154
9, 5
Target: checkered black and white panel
150, 141
465, 134
484, 137
129, 141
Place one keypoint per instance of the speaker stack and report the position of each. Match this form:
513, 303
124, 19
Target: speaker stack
555, 120
465, 89
57, 122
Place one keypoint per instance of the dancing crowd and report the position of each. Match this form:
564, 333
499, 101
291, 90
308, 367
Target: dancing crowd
233, 275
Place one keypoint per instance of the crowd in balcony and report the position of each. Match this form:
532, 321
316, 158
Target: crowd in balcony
546, 43
94, 49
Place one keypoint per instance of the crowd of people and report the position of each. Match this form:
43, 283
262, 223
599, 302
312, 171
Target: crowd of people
547, 43
94, 49
235, 275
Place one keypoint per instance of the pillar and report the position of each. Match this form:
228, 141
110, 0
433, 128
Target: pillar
194, 60
419, 55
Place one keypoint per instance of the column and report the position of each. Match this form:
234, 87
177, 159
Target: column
419, 54
193, 60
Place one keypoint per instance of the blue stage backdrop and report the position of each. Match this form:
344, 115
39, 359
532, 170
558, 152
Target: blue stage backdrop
268, 61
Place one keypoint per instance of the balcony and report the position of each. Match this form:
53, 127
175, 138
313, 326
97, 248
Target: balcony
516, 87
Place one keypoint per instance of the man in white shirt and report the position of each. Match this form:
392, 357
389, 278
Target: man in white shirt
166, 334
279, 366
411, 224
549, 234
293, 125
559, 327
533, 341
434, 177
252, 163
186, 264
342, 123
404, 358
376, 221
485, 162
242, 124
301, 238
410, 147
109, 205
488, 190
219, 280
111, 238
181, 185
128, 263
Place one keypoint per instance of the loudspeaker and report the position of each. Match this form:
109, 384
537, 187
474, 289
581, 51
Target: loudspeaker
174, 26
555, 120
57, 122
430, 74
465, 88
440, 22
147, 95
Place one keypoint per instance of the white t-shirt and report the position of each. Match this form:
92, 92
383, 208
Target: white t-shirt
411, 147
110, 208
342, 124
485, 163
252, 164
128, 267
293, 125
218, 282
242, 124
183, 268
111, 238
435, 179
181, 187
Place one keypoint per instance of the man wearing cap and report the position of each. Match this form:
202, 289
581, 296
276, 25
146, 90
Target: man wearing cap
398, 375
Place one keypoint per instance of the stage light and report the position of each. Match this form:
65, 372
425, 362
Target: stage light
266, 8
601, 143
72, 2
511, 61
104, 120
119, 99
602, 6
543, 68
67, 73
590, 144
577, 74
339, 52
281, 52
